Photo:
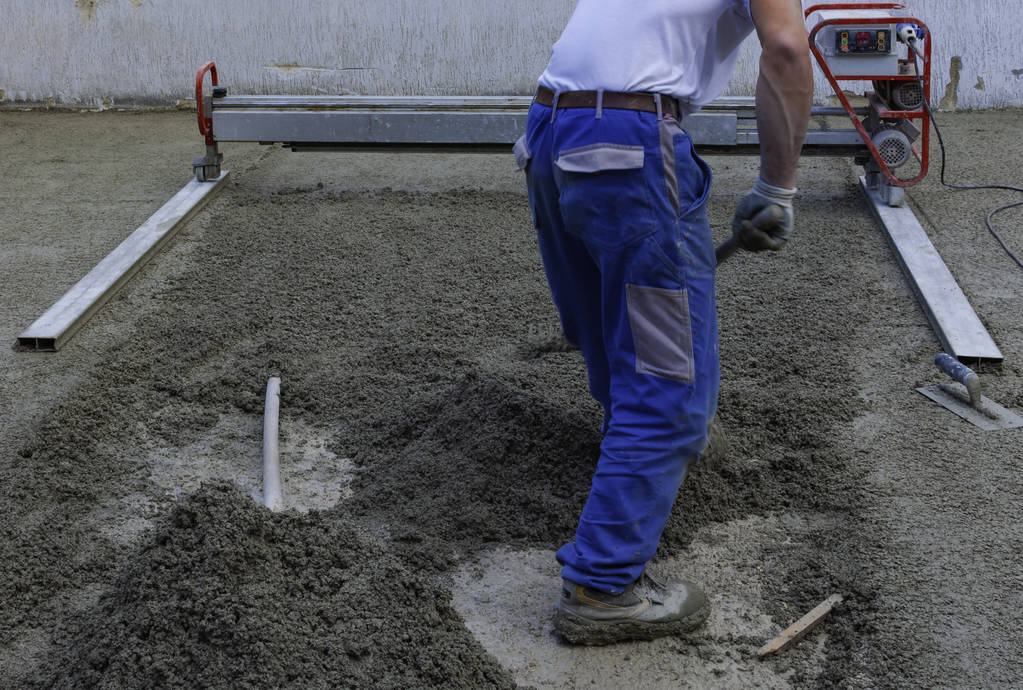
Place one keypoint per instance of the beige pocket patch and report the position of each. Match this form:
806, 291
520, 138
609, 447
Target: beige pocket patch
598, 157
661, 332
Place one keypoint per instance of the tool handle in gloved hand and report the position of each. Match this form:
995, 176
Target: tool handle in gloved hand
763, 218
725, 250
961, 373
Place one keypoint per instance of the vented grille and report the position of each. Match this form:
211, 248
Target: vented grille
908, 96
893, 146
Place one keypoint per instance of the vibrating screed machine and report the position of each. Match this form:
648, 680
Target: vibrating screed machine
875, 44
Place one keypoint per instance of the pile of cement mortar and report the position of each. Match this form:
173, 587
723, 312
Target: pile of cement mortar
226, 593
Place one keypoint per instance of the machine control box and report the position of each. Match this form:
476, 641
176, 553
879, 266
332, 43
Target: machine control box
863, 42
854, 49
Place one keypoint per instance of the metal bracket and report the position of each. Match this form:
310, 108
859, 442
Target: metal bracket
888, 193
208, 168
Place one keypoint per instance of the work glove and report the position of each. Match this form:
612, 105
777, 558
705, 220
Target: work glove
763, 219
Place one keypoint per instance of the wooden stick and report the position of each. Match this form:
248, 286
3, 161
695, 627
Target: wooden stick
795, 632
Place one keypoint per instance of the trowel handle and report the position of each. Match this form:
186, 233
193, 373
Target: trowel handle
961, 373
954, 368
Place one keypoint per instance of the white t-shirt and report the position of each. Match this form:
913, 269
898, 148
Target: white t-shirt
683, 48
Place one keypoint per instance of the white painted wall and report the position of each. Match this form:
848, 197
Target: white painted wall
146, 51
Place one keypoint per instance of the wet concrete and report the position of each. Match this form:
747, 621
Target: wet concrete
444, 446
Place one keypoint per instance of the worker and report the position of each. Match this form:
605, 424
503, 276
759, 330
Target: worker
619, 199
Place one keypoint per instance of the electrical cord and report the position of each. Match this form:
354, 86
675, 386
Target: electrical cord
941, 144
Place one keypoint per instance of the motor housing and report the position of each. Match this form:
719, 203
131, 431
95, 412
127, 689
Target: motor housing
900, 95
893, 147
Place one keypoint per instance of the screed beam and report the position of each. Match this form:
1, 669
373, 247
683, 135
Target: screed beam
960, 330
56, 326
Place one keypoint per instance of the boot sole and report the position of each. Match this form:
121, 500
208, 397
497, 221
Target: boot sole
585, 631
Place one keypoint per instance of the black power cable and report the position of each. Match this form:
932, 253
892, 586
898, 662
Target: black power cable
941, 143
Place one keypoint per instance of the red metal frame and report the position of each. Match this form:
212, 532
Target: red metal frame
854, 6
883, 111
205, 123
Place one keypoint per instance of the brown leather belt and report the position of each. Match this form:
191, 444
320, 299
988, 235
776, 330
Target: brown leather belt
622, 100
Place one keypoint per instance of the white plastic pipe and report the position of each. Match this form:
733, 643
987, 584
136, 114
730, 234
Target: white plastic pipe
272, 497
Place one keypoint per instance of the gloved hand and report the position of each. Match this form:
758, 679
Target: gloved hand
763, 219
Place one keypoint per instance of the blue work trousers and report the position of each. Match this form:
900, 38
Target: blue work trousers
619, 203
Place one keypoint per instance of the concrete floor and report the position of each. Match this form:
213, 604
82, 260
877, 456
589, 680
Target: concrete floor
929, 553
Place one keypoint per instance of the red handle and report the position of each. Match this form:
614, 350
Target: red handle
205, 123
855, 6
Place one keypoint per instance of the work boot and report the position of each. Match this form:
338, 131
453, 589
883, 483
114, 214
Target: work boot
645, 610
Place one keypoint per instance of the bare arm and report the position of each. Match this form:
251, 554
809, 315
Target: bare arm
784, 88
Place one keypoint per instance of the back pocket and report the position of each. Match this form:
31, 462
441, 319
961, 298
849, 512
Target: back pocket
603, 194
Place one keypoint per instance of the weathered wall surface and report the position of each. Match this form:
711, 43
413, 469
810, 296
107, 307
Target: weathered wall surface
109, 52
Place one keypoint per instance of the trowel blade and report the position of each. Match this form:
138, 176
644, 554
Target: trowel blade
998, 417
